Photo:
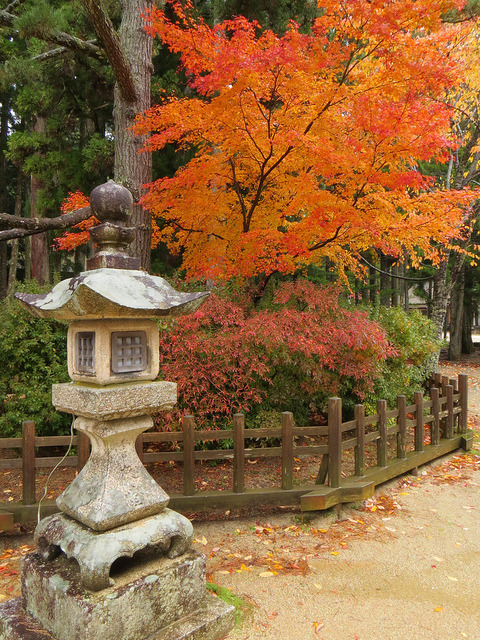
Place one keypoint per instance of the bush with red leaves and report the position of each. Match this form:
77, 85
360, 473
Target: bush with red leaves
293, 356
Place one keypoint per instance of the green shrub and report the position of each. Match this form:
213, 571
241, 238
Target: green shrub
412, 337
33, 356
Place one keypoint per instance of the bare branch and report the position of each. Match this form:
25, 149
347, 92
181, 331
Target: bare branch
320, 245
177, 225
15, 227
14, 5
48, 55
55, 53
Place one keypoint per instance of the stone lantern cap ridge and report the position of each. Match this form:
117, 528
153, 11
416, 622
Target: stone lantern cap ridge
112, 293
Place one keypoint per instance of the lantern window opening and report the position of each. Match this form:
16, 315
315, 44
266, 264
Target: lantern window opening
129, 351
85, 352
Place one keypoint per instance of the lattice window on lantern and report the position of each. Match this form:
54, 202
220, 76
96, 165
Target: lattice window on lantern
129, 351
85, 352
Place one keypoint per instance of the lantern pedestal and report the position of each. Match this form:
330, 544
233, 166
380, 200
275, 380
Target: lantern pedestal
114, 487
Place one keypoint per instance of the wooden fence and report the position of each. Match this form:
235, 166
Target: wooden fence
421, 432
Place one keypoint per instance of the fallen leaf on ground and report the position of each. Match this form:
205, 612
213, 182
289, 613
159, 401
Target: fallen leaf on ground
243, 567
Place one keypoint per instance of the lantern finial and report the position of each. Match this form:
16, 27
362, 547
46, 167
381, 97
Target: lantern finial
112, 204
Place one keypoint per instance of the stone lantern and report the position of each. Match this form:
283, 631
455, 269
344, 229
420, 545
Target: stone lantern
114, 508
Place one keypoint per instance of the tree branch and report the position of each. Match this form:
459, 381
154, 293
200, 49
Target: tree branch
15, 227
48, 55
111, 43
57, 37
55, 53
187, 230
13, 5
324, 243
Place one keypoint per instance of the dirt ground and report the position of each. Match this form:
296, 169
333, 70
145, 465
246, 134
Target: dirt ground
403, 565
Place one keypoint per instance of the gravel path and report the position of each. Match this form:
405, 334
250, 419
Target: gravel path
416, 575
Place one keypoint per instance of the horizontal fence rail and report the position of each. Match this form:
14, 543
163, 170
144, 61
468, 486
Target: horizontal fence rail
419, 433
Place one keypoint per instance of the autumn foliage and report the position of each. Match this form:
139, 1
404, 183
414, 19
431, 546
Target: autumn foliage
72, 239
292, 357
306, 145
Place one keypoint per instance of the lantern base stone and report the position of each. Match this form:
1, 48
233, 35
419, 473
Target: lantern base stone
160, 600
166, 534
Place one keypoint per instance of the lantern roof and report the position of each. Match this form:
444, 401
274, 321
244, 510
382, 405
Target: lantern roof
112, 293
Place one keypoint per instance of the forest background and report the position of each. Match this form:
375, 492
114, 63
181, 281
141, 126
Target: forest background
367, 194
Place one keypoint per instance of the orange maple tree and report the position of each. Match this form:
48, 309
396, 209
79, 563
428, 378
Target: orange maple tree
306, 145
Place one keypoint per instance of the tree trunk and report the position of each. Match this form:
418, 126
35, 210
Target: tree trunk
385, 282
467, 341
442, 288
372, 279
3, 270
441, 292
405, 289
456, 324
134, 169
396, 284
12, 267
40, 268
4, 117
39, 257
12, 272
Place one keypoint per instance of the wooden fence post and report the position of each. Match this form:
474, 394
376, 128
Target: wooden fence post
334, 442
450, 416
402, 427
382, 428
238, 453
287, 450
188, 424
445, 383
28, 462
420, 425
435, 397
83, 450
463, 402
360, 447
